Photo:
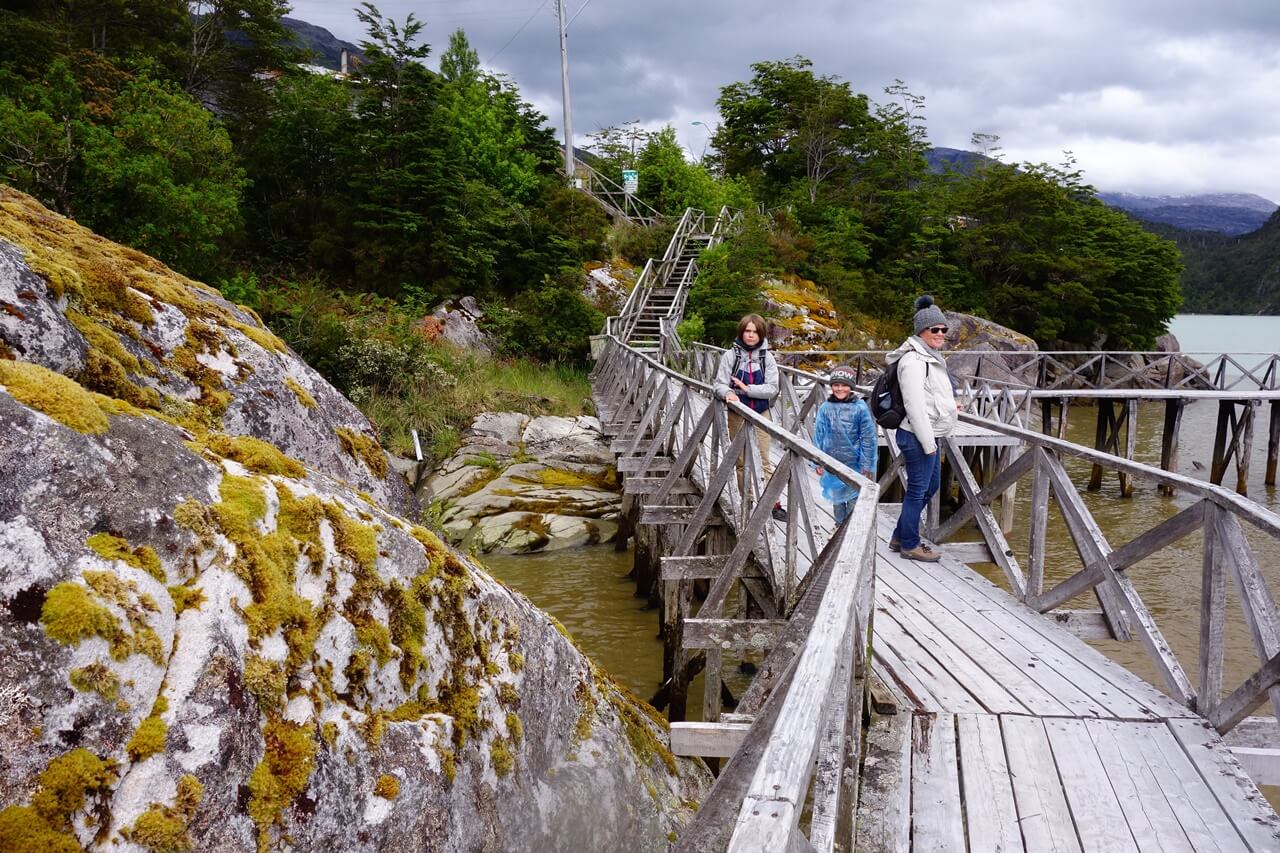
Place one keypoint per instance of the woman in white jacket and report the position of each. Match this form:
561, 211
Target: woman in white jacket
931, 414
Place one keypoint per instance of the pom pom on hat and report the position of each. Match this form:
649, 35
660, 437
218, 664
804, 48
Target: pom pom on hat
923, 302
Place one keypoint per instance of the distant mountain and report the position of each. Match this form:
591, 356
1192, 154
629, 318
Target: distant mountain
1226, 213
1228, 274
325, 47
954, 160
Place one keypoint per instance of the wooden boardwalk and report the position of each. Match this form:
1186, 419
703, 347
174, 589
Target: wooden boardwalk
900, 706
995, 726
1011, 733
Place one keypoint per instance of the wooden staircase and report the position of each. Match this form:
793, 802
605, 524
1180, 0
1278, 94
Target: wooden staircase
665, 300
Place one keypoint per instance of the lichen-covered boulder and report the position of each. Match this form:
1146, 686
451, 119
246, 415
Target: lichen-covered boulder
123, 324
209, 644
523, 484
801, 317
974, 345
607, 286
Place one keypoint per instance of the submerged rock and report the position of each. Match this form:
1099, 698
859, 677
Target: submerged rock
523, 484
207, 643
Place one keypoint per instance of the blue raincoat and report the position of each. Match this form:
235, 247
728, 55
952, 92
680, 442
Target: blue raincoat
846, 431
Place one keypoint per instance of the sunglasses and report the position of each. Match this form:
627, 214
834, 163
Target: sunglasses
937, 330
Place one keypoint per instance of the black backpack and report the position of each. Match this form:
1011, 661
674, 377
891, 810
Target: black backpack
887, 406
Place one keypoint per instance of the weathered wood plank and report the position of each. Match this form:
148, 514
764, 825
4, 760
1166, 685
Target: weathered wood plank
884, 807
1042, 807
708, 740
991, 815
644, 486
937, 823
1000, 550
948, 691
1259, 607
1067, 670
733, 635
1214, 789
967, 552
1149, 815
992, 693
1100, 822
1085, 624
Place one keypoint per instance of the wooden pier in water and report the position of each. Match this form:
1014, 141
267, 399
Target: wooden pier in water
903, 706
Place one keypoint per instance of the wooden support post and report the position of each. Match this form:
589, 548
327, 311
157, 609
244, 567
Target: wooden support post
1106, 422
1130, 444
1173, 410
1039, 523
1244, 445
1218, 466
1046, 415
1273, 443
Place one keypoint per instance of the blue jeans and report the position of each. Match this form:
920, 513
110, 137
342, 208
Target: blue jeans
923, 476
842, 510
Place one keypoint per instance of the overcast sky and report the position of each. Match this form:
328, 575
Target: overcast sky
1152, 96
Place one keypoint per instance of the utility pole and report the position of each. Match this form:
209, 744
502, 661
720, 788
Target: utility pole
564, 79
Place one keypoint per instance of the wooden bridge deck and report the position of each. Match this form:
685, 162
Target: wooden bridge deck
1014, 734
1008, 731
1011, 733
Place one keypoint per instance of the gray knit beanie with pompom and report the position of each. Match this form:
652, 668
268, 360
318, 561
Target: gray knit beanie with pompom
928, 314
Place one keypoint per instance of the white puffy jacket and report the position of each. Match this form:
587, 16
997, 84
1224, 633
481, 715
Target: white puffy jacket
926, 392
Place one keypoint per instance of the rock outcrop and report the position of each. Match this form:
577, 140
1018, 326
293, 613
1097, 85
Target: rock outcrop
458, 322
974, 345
523, 484
216, 637
801, 317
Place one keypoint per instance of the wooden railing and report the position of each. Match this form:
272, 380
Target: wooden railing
610, 195
1226, 551
1221, 514
1070, 370
797, 729
661, 273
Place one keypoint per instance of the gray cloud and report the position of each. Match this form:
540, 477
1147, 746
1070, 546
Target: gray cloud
1150, 95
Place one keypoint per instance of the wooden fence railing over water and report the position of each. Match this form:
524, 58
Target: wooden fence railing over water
796, 731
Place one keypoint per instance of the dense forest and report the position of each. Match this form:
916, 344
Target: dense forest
342, 208
1228, 274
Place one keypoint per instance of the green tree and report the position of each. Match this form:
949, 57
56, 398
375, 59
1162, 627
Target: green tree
1045, 257
789, 130
670, 183
162, 177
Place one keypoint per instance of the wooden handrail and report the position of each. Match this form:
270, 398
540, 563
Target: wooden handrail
818, 677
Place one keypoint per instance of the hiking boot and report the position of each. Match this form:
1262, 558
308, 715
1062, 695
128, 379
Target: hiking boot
922, 553
894, 544
779, 514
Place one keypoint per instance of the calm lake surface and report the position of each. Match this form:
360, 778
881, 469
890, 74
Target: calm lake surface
588, 591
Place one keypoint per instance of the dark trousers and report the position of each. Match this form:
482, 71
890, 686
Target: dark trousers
924, 473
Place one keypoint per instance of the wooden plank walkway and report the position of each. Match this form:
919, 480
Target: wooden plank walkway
1011, 733
1014, 734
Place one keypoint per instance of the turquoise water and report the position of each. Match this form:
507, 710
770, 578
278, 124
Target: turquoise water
1235, 334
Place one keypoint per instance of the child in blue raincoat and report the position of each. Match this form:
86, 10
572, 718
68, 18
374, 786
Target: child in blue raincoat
846, 431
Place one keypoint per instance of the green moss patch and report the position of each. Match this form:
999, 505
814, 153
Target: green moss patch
97, 678
363, 449
71, 614
62, 399
112, 547
288, 760
387, 787
163, 829
301, 393
256, 455
148, 740
74, 782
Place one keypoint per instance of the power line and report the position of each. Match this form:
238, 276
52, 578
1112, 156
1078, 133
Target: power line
579, 12
515, 35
